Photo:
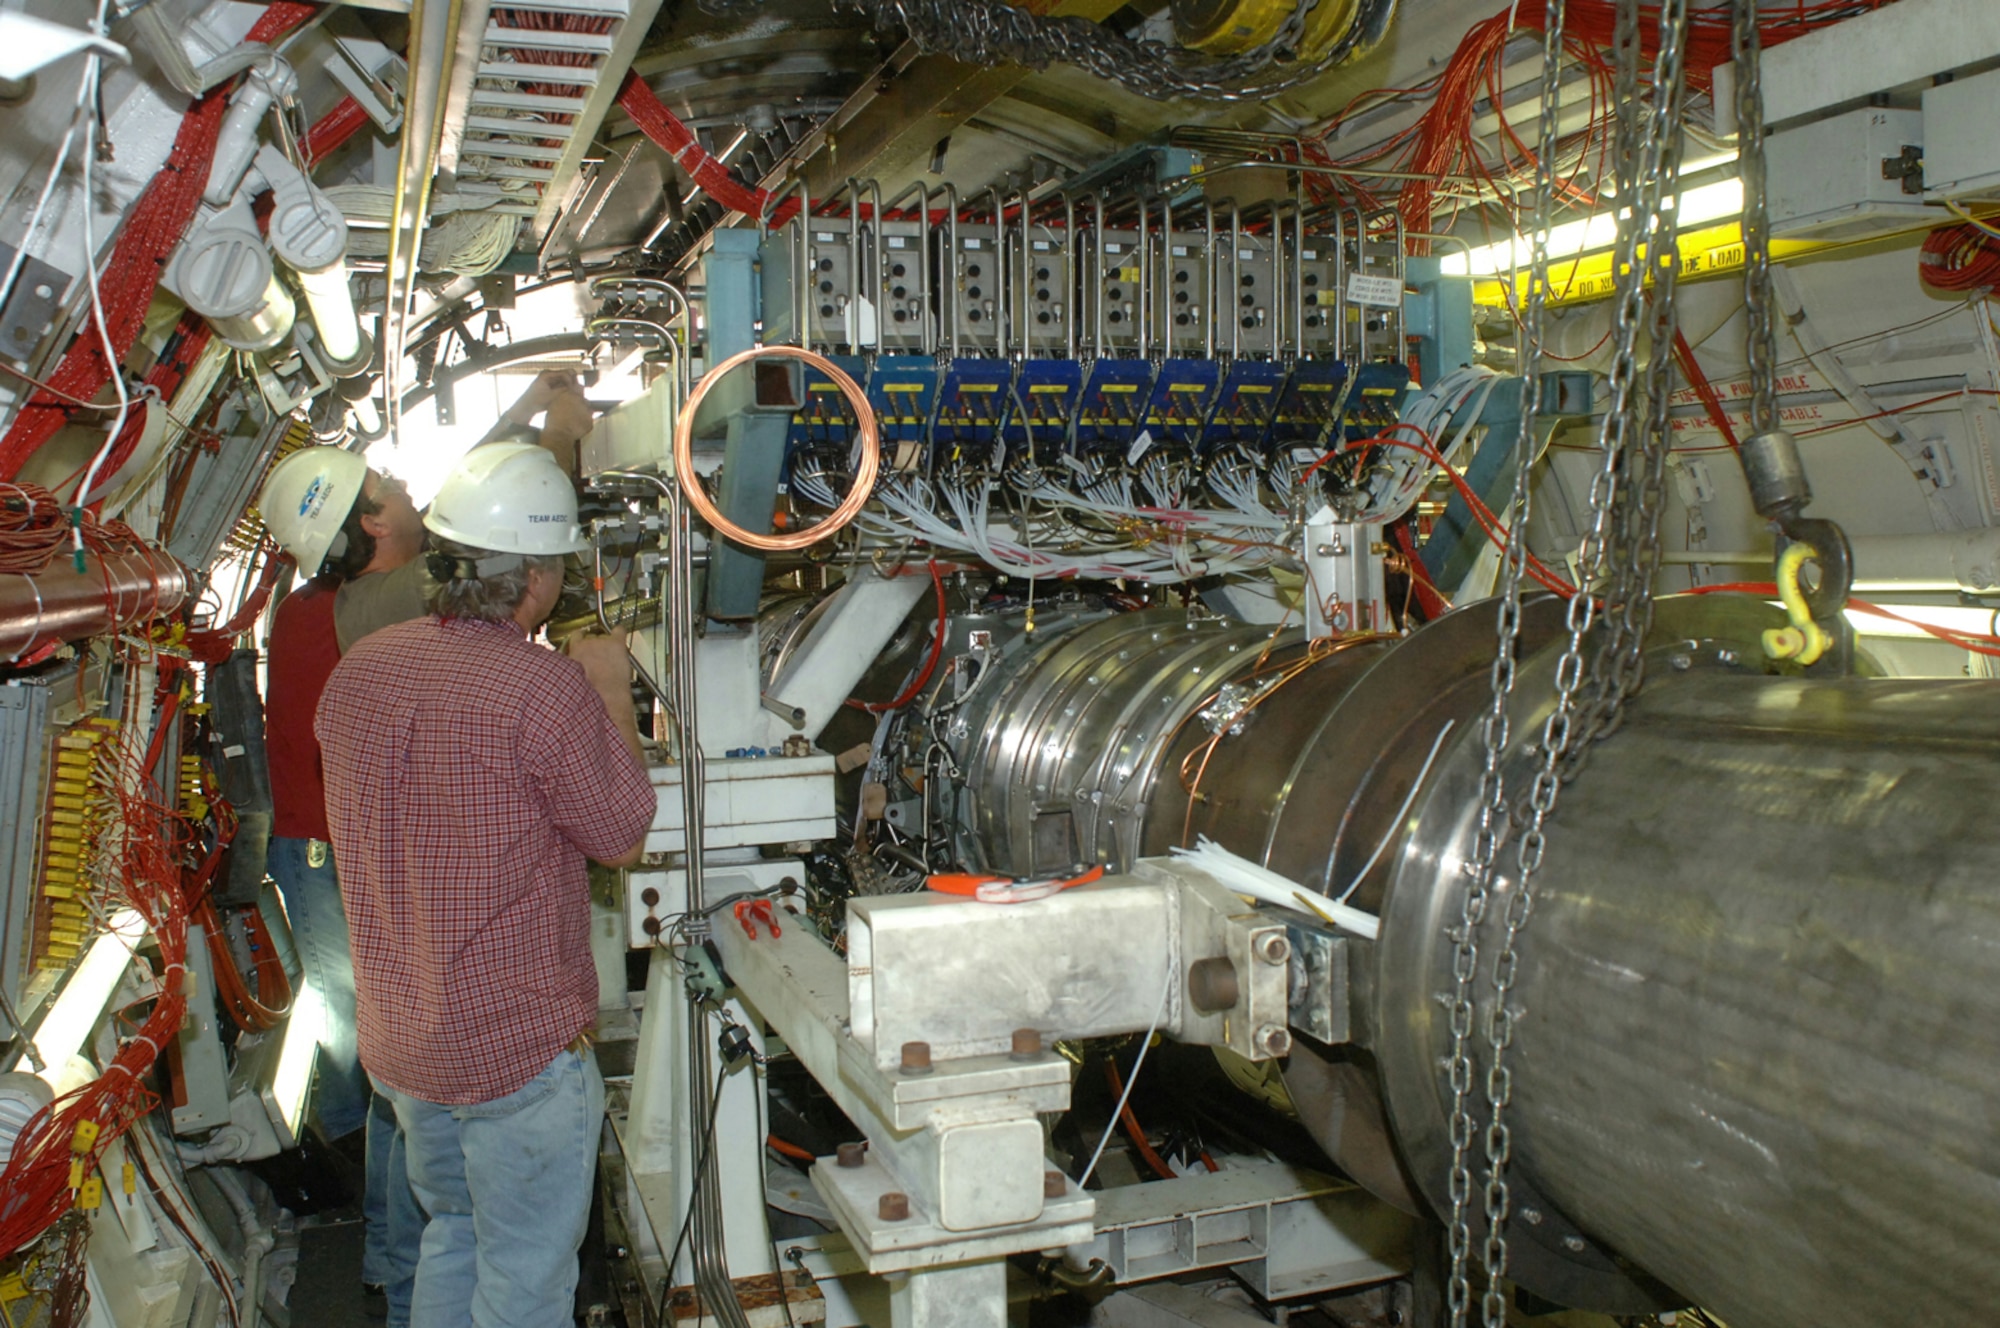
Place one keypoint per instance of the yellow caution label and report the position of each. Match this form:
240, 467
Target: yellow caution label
902, 387
1119, 387
1048, 389
1252, 389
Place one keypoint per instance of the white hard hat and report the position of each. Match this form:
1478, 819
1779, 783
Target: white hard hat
307, 498
507, 498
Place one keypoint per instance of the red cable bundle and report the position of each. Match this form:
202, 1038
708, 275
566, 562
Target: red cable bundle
661, 125
152, 229
1960, 258
63, 1144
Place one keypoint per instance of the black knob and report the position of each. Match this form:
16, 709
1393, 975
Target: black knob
1249, 279
1180, 320
1312, 320
1114, 294
1041, 274
1249, 322
826, 311
896, 270
826, 288
826, 265
1116, 317
1181, 277
1249, 302
900, 292
972, 269
973, 316
1180, 297
899, 316
1042, 317
1312, 278
1042, 293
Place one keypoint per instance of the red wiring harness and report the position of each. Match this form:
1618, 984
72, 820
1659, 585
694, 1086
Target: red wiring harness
152, 228
1959, 258
146, 868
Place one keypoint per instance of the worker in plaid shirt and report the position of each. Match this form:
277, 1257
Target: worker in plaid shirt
470, 773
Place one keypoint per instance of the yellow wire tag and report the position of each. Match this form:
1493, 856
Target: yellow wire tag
75, 1173
92, 1193
85, 1136
131, 1179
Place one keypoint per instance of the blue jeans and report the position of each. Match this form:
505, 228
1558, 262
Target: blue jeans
393, 1224
304, 871
507, 1184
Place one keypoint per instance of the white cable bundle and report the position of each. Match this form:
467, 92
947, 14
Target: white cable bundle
470, 241
1247, 878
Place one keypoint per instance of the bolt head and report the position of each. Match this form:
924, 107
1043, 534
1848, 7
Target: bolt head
1681, 663
1273, 1040
1274, 947
1027, 1044
893, 1207
1054, 1185
1574, 1244
916, 1058
851, 1155
1532, 1216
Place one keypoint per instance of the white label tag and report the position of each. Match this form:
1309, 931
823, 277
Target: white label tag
233, 750
971, 243
1140, 446
1377, 292
1304, 456
1309, 254
1114, 248
898, 242
824, 237
1180, 251
1041, 246
1246, 253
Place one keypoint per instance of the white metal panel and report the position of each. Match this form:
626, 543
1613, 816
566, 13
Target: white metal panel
1826, 177
1961, 151
1894, 47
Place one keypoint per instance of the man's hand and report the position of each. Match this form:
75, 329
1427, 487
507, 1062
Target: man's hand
569, 420
542, 393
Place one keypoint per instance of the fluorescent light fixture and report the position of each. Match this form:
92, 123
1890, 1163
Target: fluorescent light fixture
1710, 202
331, 300
286, 1098
63, 1030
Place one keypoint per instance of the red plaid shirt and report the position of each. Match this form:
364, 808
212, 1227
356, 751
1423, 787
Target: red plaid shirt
469, 773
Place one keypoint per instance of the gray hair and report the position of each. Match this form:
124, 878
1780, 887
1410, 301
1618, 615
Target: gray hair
479, 583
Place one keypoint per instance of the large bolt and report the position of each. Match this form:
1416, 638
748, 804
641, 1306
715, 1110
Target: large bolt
851, 1155
916, 1058
1273, 947
1574, 1244
1054, 1185
1273, 1040
1027, 1045
893, 1207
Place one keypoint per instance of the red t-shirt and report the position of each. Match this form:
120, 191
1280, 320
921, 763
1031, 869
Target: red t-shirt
301, 657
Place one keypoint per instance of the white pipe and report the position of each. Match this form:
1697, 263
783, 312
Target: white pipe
258, 1240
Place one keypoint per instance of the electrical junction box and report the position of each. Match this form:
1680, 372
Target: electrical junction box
1847, 177
1962, 152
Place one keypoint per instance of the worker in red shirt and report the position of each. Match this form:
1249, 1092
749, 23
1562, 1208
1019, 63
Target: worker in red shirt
470, 773
338, 519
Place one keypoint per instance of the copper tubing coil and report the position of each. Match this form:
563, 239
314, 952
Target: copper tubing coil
857, 494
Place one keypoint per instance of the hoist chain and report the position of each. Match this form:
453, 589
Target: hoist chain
1762, 341
1618, 559
1492, 785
